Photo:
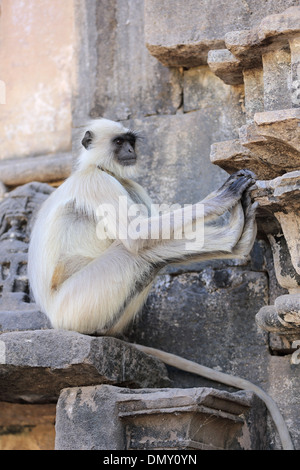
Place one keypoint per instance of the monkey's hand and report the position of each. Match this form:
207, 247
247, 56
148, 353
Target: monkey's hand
236, 184
229, 194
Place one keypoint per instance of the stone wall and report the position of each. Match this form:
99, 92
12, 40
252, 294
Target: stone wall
206, 312
37, 64
146, 64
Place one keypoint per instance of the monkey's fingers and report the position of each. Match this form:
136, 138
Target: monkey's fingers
251, 211
238, 178
242, 174
246, 173
236, 187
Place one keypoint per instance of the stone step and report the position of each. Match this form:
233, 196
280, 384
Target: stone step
36, 365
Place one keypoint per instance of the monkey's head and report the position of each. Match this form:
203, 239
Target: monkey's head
110, 146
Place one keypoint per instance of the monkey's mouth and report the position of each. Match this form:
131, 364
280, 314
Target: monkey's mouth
128, 161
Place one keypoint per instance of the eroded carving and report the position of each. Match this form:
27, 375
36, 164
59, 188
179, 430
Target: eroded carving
17, 211
267, 59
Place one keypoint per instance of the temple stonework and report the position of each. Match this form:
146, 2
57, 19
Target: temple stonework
214, 88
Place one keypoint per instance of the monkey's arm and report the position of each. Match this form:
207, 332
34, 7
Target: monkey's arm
182, 221
113, 205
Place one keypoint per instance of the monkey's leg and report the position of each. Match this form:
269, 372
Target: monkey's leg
233, 240
247, 239
245, 243
218, 242
95, 298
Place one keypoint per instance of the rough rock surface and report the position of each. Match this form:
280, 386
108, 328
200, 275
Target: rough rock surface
199, 315
36, 365
181, 36
109, 418
17, 213
207, 312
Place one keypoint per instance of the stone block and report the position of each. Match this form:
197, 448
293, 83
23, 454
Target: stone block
269, 145
110, 418
36, 365
269, 150
282, 125
226, 66
284, 23
277, 77
182, 34
254, 92
232, 156
244, 46
23, 320
45, 168
276, 194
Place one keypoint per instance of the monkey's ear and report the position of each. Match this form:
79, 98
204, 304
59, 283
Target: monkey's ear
88, 139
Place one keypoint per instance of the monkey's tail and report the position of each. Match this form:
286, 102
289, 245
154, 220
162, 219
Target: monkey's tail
237, 382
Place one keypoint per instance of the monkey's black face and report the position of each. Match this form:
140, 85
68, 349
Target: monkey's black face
122, 146
124, 149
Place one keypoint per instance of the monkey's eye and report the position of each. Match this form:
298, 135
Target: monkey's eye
119, 141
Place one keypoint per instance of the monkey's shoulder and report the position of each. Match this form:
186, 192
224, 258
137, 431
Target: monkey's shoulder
137, 193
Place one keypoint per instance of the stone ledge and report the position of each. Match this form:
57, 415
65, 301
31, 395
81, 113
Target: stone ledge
231, 156
36, 365
279, 193
269, 146
249, 45
184, 55
281, 323
182, 33
225, 66
246, 49
111, 418
46, 168
23, 320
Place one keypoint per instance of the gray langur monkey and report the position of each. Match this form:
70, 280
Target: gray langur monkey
85, 270
88, 274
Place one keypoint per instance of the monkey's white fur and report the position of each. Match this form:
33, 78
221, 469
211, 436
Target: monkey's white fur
94, 285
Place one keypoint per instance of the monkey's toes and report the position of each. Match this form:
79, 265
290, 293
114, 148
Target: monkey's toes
246, 196
249, 207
